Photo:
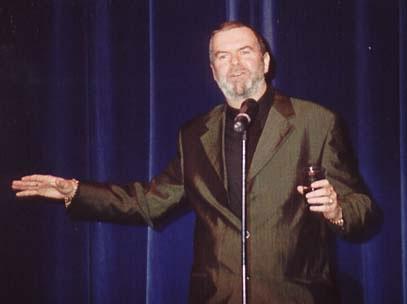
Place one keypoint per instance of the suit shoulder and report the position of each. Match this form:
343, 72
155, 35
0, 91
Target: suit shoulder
199, 122
311, 111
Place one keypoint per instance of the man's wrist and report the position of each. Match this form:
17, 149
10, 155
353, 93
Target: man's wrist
338, 219
69, 197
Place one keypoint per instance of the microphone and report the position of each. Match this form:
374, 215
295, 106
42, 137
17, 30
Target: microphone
247, 113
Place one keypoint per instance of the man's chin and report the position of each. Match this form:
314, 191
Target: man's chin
235, 92
238, 90
237, 98
241, 93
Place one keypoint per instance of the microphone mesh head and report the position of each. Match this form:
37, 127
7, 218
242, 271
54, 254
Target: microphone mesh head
250, 107
248, 111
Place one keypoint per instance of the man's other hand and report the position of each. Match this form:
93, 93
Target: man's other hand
44, 185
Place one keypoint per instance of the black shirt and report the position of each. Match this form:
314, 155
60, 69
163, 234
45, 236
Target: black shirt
233, 148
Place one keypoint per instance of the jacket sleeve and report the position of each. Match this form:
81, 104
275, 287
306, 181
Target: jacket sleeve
361, 215
135, 203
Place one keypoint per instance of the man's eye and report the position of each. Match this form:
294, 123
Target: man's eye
245, 52
222, 56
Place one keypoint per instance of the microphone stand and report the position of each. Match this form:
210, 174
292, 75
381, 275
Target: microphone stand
248, 110
244, 232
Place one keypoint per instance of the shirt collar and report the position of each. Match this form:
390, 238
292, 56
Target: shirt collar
265, 102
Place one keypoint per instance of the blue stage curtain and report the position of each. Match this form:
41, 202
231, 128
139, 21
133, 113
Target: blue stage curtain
403, 141
97, 90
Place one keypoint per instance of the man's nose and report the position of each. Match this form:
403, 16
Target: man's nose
235, 59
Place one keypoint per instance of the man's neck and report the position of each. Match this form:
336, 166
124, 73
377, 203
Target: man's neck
236, 103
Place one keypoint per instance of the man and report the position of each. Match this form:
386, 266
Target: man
288, 242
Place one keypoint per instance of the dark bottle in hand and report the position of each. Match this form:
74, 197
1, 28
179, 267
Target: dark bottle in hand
311, 174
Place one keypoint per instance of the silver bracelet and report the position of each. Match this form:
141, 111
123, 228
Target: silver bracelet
338, 222
68, 198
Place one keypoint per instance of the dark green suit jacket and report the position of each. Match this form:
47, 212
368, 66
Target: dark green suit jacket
289, 247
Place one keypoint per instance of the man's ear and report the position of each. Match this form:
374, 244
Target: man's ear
213, 72
266, 62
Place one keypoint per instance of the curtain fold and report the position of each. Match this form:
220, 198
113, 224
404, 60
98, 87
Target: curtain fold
403, 140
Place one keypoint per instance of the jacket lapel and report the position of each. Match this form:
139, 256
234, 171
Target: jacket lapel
275, 132
212, 141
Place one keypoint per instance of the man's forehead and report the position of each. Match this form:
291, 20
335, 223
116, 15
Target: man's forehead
234, 37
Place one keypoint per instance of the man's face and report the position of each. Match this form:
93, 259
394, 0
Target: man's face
238, 65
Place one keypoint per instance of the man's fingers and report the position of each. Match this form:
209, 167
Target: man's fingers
38, 178
320, 200
27, 184
34, 181
16, 185
322, 208
326, 191
27, 193
33, 178
320, 183
19, 185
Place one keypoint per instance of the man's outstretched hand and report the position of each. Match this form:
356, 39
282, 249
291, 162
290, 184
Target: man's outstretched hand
44, 185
